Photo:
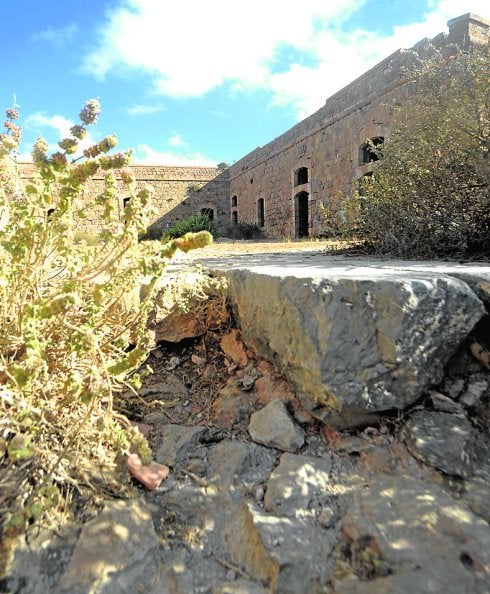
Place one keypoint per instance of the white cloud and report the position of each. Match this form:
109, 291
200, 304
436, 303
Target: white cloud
210, 47
177, 140
138, 109
58, 37
46, 125
145, 154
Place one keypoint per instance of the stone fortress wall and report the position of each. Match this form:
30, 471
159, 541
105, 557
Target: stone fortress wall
282, 185
178, 192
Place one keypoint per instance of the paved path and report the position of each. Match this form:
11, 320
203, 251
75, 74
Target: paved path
316, 263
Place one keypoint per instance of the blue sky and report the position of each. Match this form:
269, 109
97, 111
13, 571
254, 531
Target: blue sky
197, 82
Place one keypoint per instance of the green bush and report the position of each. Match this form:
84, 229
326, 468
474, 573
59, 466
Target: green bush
193, 224
73, 329
242, 231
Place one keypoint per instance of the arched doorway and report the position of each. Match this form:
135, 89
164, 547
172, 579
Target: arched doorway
301, 217
209, 212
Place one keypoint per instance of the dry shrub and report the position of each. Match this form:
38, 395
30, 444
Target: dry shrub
69, 345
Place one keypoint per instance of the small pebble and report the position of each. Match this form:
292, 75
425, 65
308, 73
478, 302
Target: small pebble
173, 363
157, 353
326, 517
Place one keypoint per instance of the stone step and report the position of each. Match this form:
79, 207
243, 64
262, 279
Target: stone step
355, 337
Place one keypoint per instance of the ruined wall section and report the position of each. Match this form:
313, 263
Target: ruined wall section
178, 192
328, 143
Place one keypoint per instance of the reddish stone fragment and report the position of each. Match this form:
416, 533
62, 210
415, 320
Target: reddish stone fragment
233, 347
150, 476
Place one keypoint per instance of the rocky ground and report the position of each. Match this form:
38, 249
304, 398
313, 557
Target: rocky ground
261, 497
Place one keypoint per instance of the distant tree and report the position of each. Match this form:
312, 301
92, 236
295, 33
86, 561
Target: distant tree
222, 166
429, 194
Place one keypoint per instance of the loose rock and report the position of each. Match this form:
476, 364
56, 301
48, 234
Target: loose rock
299, 486
414, 534
284, 553
440, 440
177, 442
116, 552
274, 427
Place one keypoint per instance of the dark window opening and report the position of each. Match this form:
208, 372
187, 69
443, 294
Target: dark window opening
301, 176
209, 212
126, 201
251, 180
370, 150
234, 217
234, 201
260, 212
49, 212
301, 209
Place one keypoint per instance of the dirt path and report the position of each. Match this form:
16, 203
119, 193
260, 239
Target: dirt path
226, 247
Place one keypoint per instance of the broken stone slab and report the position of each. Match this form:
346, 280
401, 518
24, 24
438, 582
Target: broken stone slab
354, 341
417, 537
239, 463
441, 440
273, 426
116, 552
285, 554
177, 441
298, 486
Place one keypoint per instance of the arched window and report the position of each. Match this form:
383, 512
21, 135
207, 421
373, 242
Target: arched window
234, 217
260, 212
234, 201
369, 151
301, 176
209, 212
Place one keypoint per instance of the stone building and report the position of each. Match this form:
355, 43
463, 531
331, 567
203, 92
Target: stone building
282, 185
178, 192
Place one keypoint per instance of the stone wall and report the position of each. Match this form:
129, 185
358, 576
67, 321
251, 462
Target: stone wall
179, 192
327, 145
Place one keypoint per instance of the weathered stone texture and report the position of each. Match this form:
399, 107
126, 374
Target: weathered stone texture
354, 343
178, 192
